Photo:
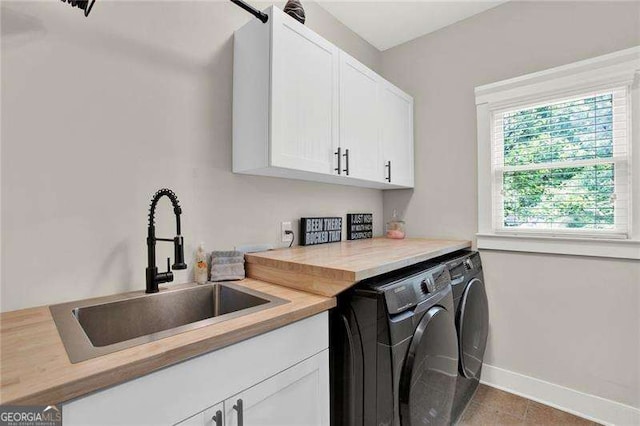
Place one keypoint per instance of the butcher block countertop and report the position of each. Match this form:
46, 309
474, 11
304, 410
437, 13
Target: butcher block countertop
35, 368
329, 269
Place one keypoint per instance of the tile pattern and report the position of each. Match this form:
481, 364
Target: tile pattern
491, 406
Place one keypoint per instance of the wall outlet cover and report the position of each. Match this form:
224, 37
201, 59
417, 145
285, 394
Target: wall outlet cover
286, 226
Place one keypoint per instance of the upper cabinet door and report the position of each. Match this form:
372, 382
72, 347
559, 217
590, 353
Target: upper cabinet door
298, 99
304, 97
359, 121
297, 396
397, 135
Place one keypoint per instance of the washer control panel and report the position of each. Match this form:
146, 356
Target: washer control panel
464, 266
428, 285
408, 292
437, 279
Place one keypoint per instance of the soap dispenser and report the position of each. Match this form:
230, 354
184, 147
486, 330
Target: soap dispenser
201, 271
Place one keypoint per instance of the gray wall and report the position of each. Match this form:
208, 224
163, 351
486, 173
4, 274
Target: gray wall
567, 320
100, 112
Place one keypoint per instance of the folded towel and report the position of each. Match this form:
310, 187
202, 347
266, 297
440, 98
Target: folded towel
227, 265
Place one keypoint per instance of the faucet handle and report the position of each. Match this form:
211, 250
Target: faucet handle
163, 277
168, 264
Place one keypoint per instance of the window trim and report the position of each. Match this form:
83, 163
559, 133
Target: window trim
601, 73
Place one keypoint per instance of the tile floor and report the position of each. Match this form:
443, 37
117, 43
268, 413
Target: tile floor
491, 406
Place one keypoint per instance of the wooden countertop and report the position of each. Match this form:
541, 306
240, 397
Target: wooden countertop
328, 269
35, 369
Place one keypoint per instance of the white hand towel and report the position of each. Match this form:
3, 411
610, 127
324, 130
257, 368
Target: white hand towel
227, 265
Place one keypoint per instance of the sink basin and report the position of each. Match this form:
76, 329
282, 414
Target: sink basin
99, 326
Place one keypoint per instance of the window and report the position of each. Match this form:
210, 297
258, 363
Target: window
561, 166
559, 159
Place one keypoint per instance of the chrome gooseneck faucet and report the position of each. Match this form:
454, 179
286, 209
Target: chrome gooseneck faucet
153, 276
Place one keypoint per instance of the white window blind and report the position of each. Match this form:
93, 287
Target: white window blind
562, 166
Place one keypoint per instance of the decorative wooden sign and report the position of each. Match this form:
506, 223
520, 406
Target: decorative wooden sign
359, 226
320, 230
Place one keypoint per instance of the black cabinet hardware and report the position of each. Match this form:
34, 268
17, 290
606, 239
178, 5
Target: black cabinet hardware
217, 419
338, 153
346, 161
238, 408
388, 166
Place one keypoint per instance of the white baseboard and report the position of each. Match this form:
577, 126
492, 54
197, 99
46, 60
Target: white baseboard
581, 404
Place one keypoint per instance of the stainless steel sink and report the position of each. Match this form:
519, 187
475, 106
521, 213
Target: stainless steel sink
94, 327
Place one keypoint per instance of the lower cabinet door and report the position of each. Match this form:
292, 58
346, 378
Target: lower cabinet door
213, 416
196, 420
298, 396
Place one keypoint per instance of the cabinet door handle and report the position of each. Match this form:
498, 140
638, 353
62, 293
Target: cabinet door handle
238, 408
346, 161
217, 419
388, 166
339, 154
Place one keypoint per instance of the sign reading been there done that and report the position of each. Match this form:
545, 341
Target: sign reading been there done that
320, 230
359, 226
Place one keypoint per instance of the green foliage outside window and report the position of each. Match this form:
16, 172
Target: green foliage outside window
568, 196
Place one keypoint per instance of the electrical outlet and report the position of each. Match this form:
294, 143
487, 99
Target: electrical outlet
286, 226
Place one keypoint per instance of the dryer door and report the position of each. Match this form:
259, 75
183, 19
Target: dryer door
346, 367
473, 328
428, 378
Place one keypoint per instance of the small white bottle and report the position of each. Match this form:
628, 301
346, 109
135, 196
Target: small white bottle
202, 271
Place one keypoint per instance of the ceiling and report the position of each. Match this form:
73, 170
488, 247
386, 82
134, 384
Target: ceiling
386, 24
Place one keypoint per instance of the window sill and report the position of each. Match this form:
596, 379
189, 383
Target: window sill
620, 249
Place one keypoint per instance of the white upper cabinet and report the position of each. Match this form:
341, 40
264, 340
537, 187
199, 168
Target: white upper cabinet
303, 109
397, 135
360, 147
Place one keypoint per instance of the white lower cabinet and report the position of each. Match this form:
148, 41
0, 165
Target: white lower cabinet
298, 396
213, 416
277, 378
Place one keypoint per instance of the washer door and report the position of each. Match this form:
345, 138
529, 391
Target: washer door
473, 328
428, 378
